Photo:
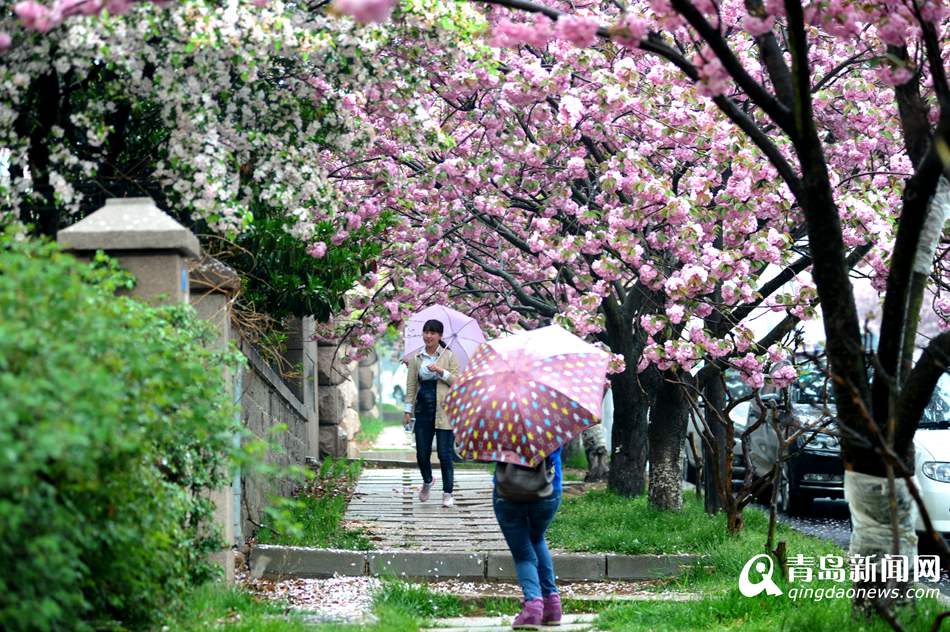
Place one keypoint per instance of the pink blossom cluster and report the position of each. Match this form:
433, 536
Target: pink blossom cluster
510, 34
39, 17
365, 11
497, 187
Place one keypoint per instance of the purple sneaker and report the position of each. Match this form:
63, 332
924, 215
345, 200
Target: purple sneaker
530, 617
552, 610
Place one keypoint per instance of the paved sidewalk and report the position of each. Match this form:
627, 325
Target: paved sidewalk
570, 623
386, 504
394, 447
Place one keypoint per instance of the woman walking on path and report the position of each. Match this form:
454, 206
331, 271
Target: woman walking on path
431, 371
523, 525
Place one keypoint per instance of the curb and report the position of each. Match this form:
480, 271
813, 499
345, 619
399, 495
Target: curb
267, 560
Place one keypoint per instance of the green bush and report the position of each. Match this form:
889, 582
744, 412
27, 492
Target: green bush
114, 420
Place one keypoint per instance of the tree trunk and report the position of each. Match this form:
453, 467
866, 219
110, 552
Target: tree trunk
631, 407
595, 448
716, 477
35, 122
667, 433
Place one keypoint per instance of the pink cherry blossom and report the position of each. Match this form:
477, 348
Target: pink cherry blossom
757, 26
36, 16
578, 30
784, 375
630, 30
317, 250
507, 33
365, 11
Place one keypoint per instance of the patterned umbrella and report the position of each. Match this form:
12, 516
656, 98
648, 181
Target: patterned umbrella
461, 333
524, 396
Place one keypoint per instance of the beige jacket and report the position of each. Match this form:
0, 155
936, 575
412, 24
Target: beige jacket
446, 361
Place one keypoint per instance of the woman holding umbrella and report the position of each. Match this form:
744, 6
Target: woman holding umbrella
431, 371
521, 398
524, 523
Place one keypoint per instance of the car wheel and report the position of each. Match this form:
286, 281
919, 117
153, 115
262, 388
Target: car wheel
790, 501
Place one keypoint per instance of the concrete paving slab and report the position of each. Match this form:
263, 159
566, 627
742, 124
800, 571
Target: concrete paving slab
426, 564
570, 622
647, 566
278, 561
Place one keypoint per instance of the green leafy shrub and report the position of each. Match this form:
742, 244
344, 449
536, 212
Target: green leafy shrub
114, 420
281, 279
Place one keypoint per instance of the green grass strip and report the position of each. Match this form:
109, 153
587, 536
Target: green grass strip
319, 511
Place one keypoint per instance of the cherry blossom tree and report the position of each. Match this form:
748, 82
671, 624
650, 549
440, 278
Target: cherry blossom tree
221, 111
672, 162
599, 188
779, 103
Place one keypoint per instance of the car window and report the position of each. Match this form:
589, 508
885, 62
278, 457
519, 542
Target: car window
938, 410
734, 384
813, 387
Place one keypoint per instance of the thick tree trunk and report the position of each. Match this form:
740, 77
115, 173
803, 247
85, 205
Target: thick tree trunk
883, 517
880, 527
36, 119
667, 433
633, 394
595, 448
631, 406
716, 474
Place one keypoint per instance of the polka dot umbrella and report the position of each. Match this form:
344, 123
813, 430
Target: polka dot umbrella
524, 396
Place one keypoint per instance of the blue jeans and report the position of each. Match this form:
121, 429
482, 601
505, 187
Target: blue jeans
445, 440
523, 525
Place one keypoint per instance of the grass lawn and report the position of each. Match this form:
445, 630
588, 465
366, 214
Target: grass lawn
399, 607
391, 408
216, 606
577, 460
732, 611
320, 508
602, 521
405, 607
370, 430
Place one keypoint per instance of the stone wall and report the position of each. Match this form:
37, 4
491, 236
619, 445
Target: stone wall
337, 401
267, 401
368, 382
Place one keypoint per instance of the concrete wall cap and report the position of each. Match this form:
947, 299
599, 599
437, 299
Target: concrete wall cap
129, 224
210, 274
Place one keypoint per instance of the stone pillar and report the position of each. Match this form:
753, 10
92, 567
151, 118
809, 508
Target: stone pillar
292, 371
213, 285
147, 242
155, 249
368, 373
337, 400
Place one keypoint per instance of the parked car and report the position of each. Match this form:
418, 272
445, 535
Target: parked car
932, 462
813, 468
736, 389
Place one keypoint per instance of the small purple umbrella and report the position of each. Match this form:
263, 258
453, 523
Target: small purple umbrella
461, 333
524, 396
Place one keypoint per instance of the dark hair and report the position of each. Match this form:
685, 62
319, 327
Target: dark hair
434, 326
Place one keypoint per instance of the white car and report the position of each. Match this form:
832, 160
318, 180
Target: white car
932, 459
392, 382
